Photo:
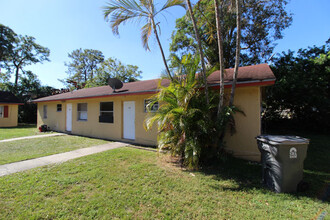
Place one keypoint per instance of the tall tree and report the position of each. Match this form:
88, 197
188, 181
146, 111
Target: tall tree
220, 52
83, 65
200, 49
262, 23
117, 12
7, 40
26, 52
238, 51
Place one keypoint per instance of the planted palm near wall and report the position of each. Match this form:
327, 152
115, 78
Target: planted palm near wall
181, 124
186, 126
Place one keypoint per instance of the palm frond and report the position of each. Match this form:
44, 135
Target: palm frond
121, 11
148, 5
170, 3
146, 31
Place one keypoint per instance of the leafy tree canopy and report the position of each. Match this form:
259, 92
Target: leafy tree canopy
262, 23
16, 52
89, 69
114, 68
301, 92
25, 52
83, 65
7, 40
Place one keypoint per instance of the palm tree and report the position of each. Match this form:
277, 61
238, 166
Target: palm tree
118, 12
237, 5
183, 124
183, 120
238, 50
201, 54
221, 60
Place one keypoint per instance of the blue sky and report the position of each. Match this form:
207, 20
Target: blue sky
66, 25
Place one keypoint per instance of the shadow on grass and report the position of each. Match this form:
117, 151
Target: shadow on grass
248, 174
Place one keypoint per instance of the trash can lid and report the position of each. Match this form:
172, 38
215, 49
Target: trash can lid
282, 139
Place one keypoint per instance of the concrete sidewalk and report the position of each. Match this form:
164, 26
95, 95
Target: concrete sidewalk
56, 158
31, 137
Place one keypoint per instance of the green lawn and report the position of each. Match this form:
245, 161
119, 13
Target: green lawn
135, 184
20, 131
32, 148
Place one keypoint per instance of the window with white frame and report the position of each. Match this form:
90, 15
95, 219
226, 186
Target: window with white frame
106, 112
45, 111
2, 112
82, 111
152, 108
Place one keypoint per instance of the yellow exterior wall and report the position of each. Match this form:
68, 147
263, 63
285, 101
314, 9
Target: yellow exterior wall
12, 119
242, 144
55, 120
92, 127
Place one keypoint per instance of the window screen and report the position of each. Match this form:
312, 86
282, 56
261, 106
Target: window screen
154, 107
82, 111
106, 112
45, 111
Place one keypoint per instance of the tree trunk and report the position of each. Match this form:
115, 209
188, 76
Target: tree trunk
161, 49
220, 49
92, 72
238, 47
201, 54
16, 76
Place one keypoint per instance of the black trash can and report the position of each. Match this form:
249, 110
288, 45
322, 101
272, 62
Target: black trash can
282, 159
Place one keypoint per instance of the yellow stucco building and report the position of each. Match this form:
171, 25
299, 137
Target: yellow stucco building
8, 109
100, 112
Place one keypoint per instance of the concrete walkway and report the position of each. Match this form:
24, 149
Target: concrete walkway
56, 158
34, 136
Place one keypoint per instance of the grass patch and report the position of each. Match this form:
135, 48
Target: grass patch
20, 131
32, 148
135, 184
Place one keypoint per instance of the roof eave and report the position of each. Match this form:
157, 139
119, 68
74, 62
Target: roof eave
265, 82
99, 96
11, 103
261, 82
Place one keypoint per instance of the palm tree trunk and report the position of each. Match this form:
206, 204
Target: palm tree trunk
161, 50
220, 49
238, 48
201, 54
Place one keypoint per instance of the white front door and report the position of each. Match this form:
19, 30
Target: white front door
69, 117
129, 120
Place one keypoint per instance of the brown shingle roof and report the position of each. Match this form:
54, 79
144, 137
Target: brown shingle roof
9, 98
246, 74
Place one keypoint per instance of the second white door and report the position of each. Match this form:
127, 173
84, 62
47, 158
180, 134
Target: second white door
69, 117
129, 120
